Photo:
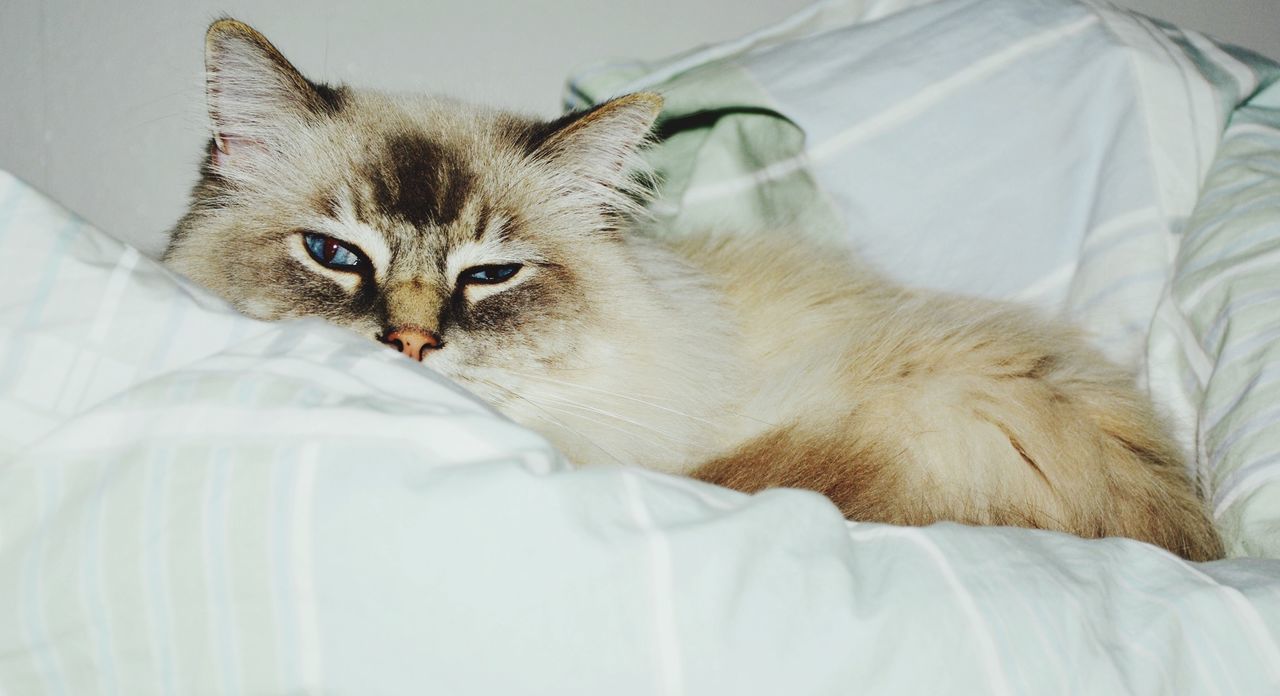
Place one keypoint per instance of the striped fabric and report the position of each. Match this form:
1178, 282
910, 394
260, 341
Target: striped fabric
1096, 124
192, 502
1044, 151
1215, 345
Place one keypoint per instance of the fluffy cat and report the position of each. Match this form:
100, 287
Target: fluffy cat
499, 251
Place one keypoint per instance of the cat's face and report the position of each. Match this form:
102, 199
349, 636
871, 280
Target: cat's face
471, 239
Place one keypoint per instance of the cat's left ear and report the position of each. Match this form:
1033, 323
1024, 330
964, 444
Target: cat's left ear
602, 142
257, 99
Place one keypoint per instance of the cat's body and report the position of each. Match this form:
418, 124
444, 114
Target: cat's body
496, 250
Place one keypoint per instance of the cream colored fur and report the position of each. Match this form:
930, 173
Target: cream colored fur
746, 360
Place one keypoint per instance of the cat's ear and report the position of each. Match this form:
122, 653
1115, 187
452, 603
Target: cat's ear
602, 143
256, 97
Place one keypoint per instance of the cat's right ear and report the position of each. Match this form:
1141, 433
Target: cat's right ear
601, 144
256, 98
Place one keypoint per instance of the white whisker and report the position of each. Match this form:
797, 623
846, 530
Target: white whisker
549, 417
607, 392
609, 414
630, 433
636, 399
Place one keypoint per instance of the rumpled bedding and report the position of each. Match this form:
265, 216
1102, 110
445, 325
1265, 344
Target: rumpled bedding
194, 502
1096, 164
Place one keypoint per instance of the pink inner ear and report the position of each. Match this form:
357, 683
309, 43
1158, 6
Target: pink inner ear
233, 146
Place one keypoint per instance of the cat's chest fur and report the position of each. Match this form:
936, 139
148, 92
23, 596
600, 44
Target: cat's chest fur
722, 339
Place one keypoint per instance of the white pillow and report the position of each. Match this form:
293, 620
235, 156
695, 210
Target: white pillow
1215, 346
1050, 151
1042, 150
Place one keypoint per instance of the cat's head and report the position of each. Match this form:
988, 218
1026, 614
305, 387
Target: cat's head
462, 236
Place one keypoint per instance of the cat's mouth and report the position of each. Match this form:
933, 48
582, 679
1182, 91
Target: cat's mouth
485, 388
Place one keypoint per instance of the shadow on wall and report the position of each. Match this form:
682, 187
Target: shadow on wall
104, 106
104, 101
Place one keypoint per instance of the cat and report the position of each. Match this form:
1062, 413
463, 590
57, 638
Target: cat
503, 252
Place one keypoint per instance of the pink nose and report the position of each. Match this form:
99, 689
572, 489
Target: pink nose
412, 342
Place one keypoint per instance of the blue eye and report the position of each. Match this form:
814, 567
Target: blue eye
488, 275
331, 253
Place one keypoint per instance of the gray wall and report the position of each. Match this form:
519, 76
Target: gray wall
1250, 23
103, 101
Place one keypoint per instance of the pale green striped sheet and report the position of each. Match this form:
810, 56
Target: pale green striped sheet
192, 502
1216, 343
1049, 151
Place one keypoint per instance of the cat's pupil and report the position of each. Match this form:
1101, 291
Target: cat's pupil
489, 274
330, 252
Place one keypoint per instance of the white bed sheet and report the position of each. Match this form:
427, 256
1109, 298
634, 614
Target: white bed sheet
192, 502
